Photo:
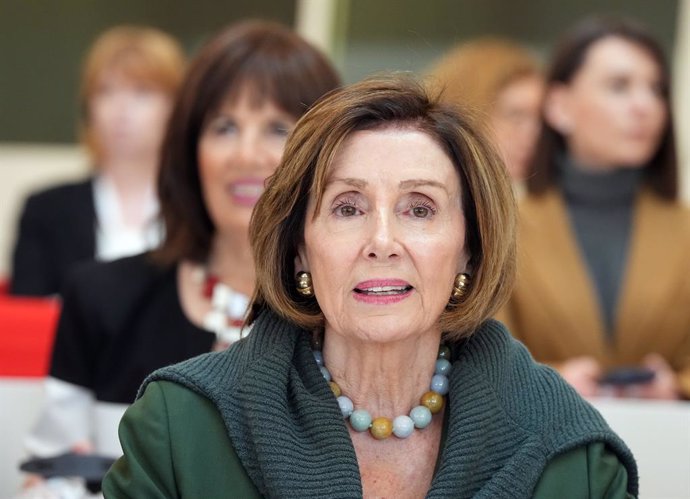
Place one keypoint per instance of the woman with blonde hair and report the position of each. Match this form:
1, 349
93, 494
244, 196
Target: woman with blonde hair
129, 81
503, 82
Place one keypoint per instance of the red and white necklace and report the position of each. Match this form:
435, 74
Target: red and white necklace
228, 310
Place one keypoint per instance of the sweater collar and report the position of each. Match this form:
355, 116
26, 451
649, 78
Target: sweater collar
507, 416
584, 185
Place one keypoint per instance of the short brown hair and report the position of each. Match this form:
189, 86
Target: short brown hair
145, 55
276, 65
473, 73
570, 54
277, 224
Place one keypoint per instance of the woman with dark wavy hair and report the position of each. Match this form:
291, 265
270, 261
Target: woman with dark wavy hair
604, 241
122, 320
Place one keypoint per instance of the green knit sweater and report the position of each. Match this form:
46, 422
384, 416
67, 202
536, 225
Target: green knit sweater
508, 417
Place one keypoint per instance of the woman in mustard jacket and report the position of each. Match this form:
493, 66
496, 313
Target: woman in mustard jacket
603, 244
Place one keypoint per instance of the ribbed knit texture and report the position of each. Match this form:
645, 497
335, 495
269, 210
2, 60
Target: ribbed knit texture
508, 416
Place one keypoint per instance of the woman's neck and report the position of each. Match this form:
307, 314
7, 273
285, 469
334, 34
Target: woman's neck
231, 260
134, 187
386, 379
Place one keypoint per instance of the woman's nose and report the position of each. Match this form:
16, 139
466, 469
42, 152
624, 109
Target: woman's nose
382, 241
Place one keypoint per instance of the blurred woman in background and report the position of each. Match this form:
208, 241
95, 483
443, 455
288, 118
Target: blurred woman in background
122, 320
129, 81
503, 82
604, 242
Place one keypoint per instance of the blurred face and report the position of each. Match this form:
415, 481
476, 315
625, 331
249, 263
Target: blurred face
388, 239
612, 113
516, 121
240, 146
127, 117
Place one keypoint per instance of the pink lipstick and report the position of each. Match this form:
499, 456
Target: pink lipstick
382, 291
246, 191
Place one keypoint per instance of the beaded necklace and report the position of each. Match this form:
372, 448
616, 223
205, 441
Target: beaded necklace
228, 310
402, 426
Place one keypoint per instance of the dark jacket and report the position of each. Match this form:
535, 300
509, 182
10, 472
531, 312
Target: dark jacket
121, 321
57, 229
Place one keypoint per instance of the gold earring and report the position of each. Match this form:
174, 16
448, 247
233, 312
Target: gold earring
304, 284
462, 282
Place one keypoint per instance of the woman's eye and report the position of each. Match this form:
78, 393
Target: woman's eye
420, 211
279, 129
347, 210
618, 85
222, 127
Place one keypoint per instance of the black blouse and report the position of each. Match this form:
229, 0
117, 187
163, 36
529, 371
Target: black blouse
120, 321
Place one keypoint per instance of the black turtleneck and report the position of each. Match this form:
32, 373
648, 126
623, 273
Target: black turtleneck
600, 206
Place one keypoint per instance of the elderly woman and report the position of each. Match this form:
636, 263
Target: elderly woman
383, 243
602, 211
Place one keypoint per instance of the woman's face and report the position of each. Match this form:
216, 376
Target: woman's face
128, 117
388, 239
516, 122
240, 146
612, 113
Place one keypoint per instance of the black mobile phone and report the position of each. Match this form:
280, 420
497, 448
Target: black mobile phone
624, 376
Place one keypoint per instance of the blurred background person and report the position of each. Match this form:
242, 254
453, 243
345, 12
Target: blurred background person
604, 242
122, 320
504, 83
129, 81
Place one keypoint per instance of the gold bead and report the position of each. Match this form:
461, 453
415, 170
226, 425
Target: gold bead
335, 388
432, 401
381, 428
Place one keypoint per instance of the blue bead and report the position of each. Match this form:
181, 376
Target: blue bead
325, 373
346, 406
318, 357
439, 384
403, 426
421, 416
443, 366
360, 420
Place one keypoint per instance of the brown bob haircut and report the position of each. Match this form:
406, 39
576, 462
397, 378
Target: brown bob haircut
474, 73
274, 64
277, 224
661, 173
145, 56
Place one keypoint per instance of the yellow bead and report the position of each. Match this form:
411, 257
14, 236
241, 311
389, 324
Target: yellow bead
335, 388
381, 428
433, 401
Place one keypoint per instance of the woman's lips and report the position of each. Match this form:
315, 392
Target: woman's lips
246, 192
382, 291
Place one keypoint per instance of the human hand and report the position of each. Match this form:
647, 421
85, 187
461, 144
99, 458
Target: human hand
583, 374
664, 386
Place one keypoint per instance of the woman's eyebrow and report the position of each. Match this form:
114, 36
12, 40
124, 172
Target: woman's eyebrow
354, 182
418, 182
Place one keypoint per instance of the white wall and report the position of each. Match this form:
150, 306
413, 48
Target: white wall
24, 168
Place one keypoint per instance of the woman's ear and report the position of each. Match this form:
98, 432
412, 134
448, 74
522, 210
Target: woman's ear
301, 261
558, 108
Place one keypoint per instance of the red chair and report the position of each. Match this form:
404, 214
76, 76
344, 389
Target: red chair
27, 330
